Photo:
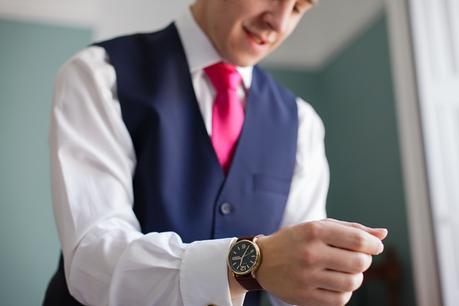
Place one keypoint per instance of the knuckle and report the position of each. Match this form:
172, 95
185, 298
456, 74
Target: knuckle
349, 283
313, 229
354, 282
369, 260
361, 262
359, 240
309, 257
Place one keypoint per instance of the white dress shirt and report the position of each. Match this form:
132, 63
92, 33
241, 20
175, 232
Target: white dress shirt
108, 261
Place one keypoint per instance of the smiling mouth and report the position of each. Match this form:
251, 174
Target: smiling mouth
257, 39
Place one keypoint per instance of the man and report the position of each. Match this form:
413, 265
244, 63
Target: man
171, 154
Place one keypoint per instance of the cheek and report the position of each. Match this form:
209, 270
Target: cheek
232, 38
282, 37
219, 34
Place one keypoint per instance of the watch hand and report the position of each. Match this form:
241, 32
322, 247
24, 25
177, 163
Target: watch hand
240, 263
245, 252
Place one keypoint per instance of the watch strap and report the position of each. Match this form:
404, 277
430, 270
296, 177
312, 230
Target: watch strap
249, 282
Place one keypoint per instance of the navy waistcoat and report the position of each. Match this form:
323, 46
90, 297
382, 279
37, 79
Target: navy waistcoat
178, 182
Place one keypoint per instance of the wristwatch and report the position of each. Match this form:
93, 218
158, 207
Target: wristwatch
244, 258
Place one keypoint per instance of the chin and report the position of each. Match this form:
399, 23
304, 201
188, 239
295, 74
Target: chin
243, 60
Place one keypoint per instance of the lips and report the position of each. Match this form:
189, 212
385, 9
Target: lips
258, 39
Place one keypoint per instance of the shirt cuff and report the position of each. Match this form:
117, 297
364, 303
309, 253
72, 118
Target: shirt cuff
204, 274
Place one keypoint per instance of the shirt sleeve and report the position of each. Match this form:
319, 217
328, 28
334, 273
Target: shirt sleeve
310, 181
108, 261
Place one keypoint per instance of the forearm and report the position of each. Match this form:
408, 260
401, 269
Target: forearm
111, 268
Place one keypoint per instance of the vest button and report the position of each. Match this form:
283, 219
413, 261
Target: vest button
226, 208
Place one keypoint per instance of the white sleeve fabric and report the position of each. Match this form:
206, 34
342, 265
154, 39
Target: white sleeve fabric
108, 261
310, 181
309, 188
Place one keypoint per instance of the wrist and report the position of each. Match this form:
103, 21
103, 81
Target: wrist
260, 273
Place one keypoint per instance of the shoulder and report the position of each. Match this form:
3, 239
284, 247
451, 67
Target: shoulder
90, 62
87, 73
85, 59
309, 120
133, 41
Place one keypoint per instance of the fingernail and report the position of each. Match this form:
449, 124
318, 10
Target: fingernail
382, 231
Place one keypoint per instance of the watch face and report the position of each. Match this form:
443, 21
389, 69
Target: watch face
243, 257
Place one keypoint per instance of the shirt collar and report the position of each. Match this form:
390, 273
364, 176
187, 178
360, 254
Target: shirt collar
199, 50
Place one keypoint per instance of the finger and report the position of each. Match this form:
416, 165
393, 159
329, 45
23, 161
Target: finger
329, 297
381, 233
339, 282
347, 237
345, 261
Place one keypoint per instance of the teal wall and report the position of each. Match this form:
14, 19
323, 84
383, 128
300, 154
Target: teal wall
30, 55
354, 96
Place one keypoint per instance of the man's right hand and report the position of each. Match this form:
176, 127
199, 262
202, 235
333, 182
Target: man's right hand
318, 263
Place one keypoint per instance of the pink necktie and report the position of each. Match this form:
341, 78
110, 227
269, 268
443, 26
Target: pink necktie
227, 111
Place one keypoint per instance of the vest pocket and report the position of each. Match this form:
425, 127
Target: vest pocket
271, 184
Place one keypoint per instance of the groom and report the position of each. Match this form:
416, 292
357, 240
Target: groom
183, 174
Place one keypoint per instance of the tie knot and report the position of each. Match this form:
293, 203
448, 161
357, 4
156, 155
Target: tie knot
223, 76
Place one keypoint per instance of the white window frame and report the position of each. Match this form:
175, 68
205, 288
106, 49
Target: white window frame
424, 38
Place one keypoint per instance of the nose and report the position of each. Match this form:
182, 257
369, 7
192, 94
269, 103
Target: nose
278, 16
